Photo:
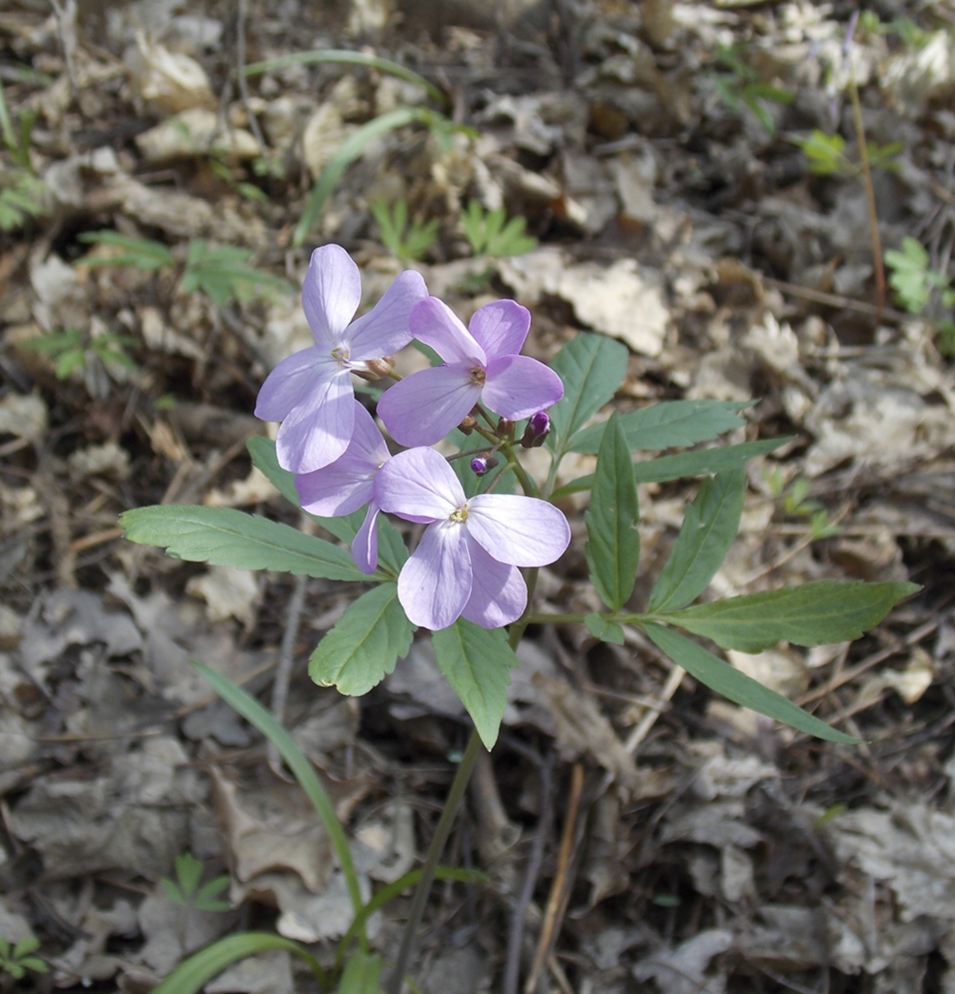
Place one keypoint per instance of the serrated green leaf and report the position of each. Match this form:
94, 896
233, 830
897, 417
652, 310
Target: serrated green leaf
361, 975
613, 544
367, 641
392, 552
602, 628
738, 687
670, 424
194, 973
816, 613
477, 663
591, 367
709, 526
226, 537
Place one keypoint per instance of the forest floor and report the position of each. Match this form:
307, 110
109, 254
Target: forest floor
690, 178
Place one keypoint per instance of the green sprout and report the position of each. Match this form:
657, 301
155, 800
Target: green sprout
71, 349
827, 155
488, 234
918, 285
794, 500
739, 87
186, 889
19, 958
21, 190
403, 239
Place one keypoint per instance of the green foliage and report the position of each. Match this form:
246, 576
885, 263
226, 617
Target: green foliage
73, 348
904, 28
739, 86
404, 239
816, 613
477, 663
918, 286
602, 628
366, 642
490, 233
794, 501
362, 974
709, 527
827, 155
21, 190
222, 272
224, 536
186, 890
18, 958
737, 687
613, 544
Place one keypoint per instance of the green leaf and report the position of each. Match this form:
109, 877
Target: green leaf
392, 552
591, 367
709, 527
226, 537
249, 708
613, 544
188, 873
816, 613
477, 663
194, 973
361, 975
668, 425
143, 253
367, 641
602, 628
738, 687
666, 468
206, 897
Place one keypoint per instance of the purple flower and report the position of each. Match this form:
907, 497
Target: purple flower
466, 562
348, 484
481, 364
311, 392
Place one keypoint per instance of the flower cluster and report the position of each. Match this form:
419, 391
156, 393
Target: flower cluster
466, 562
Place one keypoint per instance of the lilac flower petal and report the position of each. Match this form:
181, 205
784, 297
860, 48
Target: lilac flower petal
518, 386
435, 583
385, 328
292, 382
316, 433
521, 531
435, 324
331, 294
364, 547
501, 327
423, 407
418, 485
498, 592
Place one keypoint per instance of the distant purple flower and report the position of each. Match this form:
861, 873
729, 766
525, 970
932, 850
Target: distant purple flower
348, 484
465, 564
481, 364
311, 392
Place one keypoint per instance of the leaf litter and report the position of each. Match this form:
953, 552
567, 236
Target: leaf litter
721, 852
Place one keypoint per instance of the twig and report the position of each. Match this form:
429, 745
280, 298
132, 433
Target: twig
283, 670
556, 897
243, 79
65, 16
515, 937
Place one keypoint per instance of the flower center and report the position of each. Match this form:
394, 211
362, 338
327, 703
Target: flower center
460, 515
340, 355
478, 374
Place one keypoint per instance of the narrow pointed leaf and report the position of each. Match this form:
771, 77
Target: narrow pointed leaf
816, 613
709, 527
591, 367
367, 641
477, 663
613, 544
738, 687
194, 973
361, 975
668, 425
226, 537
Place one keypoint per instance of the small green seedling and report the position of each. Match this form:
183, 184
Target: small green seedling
141, 253
488, 234
827, 155
739, 86
794, 502
404, 239
19, 958
915, 283
73, 348
186, 890
21, 190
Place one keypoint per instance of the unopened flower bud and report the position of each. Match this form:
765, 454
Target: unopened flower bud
467, 425
376, 369
537, 430
480, 465
505, 428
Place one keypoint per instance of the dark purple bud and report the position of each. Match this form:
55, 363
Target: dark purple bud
482, 464
537, 430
